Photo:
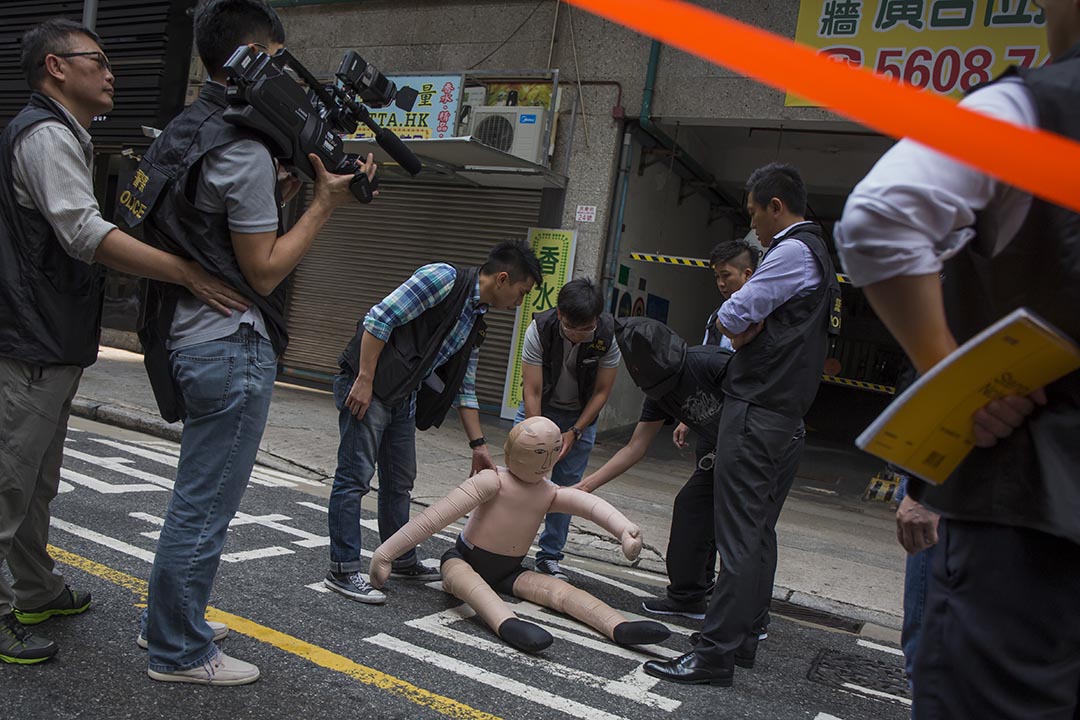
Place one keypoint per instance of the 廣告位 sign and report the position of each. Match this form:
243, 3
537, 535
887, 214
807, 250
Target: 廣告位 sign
947, 46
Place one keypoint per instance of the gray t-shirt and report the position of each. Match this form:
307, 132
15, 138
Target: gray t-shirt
239, 180
565, 394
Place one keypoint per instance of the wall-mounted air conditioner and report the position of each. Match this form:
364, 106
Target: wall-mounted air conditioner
518, 130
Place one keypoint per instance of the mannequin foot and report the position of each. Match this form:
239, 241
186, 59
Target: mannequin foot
525, 636
640, 632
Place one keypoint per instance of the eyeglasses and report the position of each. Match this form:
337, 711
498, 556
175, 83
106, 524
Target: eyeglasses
98, 56
578, 331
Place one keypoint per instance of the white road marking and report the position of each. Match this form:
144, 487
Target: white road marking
882, 648
96, 537
582, 631
499, 682
613, 583
307, 540
105, 488
120, 465
319, 587
824, 716
64, 487
877, 693
438, 624
257, 554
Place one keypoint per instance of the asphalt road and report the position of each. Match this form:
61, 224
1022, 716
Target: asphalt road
419, 656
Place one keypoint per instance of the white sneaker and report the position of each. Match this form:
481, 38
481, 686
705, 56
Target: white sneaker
219, 670
221, 631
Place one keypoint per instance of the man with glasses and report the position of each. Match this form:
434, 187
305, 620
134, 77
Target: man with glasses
569, 363
53, 242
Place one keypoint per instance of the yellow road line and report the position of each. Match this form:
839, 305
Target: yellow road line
313, 653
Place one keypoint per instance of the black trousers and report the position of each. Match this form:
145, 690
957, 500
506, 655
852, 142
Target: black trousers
758, 452
1001, 630
691, 550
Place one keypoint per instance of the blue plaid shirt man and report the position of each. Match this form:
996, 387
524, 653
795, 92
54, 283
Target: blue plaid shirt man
428, 287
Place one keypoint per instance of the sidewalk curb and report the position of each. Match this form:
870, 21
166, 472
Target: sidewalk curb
581, 544
128, 418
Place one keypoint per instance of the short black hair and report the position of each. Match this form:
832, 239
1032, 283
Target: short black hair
515, 258
778, 180
732, 252
580, 301
51, 37
221, 26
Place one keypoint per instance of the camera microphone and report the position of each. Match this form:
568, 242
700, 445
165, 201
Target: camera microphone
402, 155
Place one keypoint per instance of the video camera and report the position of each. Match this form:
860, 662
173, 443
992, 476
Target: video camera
264, 97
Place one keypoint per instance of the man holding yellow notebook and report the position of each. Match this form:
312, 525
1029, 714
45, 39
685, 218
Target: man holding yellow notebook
1002, 629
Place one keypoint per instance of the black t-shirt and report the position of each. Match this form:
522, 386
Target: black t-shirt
697, 398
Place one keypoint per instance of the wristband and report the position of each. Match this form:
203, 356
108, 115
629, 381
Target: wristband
478, 442
577, 432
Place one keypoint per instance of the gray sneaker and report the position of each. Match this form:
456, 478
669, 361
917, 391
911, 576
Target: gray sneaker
221, 631
354, 586
219, 670
20, 646
551, 567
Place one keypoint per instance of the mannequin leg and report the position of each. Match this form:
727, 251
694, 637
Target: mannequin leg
580, 605
460, 580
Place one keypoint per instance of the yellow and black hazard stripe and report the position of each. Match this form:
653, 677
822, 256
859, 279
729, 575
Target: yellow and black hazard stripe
859, 384
698, 263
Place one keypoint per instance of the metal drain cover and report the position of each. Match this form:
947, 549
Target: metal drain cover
841, 670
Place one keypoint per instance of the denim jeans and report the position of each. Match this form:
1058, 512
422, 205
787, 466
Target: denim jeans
916, 581
226, 386
568, 471
386, 437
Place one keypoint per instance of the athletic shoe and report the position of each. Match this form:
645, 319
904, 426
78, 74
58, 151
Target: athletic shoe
218, 670
20, 646
550, 567
416, 571
68, 602
667, 606
354, 586
221, 631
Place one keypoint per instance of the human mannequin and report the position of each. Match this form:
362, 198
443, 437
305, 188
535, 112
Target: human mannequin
510, 503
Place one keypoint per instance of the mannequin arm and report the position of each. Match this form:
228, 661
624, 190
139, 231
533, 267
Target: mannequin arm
458, 503
601, 512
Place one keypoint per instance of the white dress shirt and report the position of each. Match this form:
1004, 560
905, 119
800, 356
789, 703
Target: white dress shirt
917, 207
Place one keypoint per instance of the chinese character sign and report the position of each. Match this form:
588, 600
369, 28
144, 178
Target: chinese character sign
434, 116
945, 46
555, 251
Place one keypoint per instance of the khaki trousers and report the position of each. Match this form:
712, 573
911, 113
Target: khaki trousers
35, 402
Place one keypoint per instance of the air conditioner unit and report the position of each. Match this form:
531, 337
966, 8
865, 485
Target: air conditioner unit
518, 130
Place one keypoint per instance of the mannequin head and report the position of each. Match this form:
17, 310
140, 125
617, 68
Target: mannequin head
532, 448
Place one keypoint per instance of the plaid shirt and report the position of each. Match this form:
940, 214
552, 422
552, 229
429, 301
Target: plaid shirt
428, 287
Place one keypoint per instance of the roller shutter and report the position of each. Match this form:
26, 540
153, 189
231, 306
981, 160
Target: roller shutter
364, 252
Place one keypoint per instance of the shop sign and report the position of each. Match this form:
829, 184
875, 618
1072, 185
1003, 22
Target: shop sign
555, 250
945, 46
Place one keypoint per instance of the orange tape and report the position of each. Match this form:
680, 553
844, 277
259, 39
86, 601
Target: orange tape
1042, 163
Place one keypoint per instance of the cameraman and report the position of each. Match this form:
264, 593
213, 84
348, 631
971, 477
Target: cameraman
219, 371
53, 242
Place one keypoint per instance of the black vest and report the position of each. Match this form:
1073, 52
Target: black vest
50, 303
713, 336
161, 195
588, 357
781, 368
411, 350
1032, 478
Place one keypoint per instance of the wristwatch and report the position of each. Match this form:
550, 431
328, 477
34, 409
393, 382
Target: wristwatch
478, 442
577, 432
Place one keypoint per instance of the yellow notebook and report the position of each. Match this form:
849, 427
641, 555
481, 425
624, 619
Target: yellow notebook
927, 431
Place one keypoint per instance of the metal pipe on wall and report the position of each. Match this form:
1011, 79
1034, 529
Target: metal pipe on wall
89, 13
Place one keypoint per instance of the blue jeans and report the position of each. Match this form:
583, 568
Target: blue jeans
226, 386
916, 581
386, 436
567, 471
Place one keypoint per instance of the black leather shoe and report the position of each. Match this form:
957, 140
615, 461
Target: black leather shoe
691, 669
744, 656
